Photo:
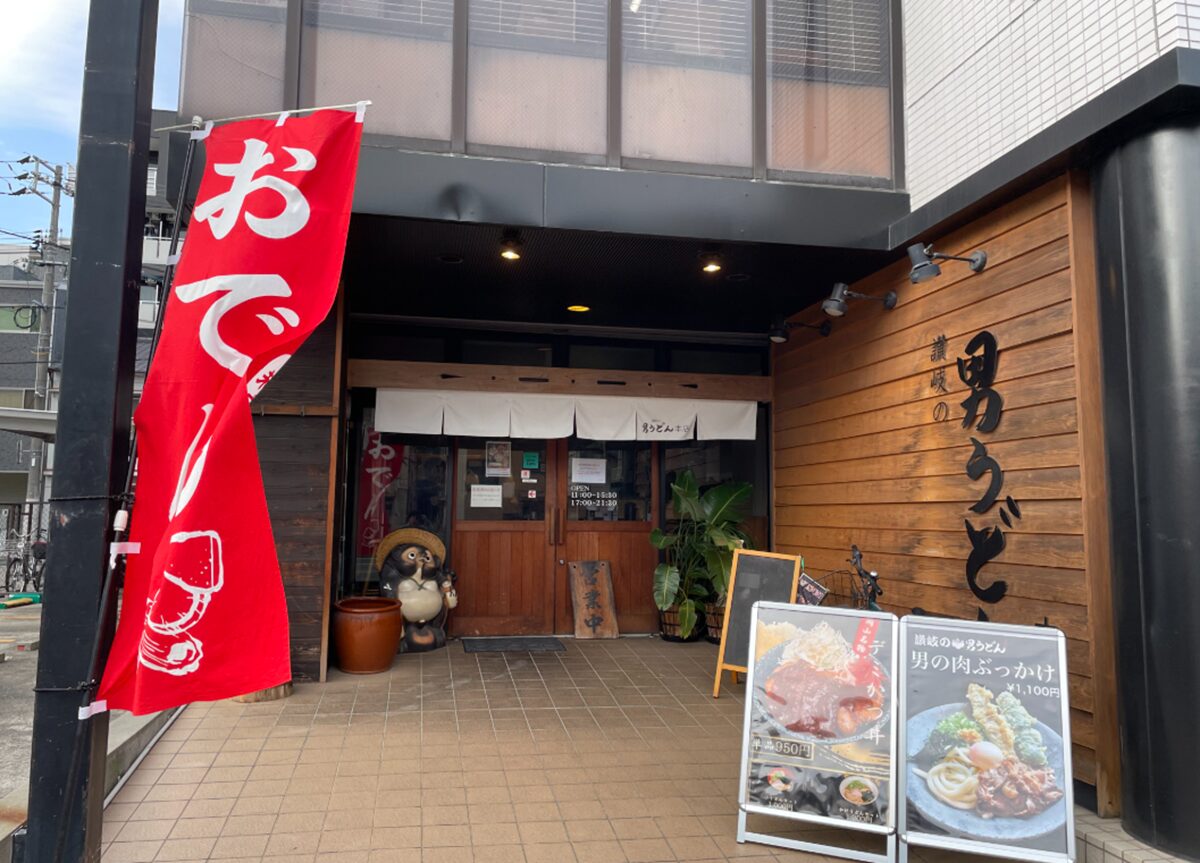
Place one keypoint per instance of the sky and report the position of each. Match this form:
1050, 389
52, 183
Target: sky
41, 78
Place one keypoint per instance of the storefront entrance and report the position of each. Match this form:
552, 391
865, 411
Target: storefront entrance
523, 509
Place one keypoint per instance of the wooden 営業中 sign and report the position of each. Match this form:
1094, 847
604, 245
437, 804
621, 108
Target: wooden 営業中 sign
754, 576
592, 598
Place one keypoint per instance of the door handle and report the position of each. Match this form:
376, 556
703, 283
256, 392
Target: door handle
561, 528
552, 527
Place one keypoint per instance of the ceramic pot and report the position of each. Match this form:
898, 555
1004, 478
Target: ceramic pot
366, 633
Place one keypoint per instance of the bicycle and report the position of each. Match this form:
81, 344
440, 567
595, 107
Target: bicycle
862, 593
26, 565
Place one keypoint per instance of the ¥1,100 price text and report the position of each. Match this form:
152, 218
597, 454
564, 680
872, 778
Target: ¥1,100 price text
1034, 689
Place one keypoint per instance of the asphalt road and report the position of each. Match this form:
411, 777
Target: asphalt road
18, 627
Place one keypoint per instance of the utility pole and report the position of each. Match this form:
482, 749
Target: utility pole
35, 482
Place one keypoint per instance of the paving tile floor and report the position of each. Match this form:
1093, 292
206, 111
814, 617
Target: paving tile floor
612, 752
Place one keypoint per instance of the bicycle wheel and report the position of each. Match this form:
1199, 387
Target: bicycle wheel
11, 574
38, 568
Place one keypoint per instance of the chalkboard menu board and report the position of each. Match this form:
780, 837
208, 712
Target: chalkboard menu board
986, 739
755, 576
820, 729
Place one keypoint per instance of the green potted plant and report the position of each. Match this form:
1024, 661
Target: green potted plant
698, 552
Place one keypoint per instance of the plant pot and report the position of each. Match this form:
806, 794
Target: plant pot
366, 633
714, 618
668, 623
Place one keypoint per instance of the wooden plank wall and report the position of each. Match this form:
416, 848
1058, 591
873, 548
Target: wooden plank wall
295, 458
860, 458
297, 424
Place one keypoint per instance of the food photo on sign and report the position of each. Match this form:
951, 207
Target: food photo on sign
819, 717
985, 754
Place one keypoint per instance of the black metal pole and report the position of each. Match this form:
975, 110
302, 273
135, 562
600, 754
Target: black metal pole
92, 439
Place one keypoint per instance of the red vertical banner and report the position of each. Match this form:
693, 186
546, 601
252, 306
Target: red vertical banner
203, 614
380, 463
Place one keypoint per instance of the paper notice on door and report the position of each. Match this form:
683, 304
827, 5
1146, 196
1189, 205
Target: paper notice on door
589, 470
486, 497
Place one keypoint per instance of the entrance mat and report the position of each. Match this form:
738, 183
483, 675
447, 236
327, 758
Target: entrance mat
525, 644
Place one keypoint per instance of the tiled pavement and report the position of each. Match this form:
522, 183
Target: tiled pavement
612, 752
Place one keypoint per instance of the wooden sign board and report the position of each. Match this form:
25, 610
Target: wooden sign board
1004, 688
592, 599
755, 576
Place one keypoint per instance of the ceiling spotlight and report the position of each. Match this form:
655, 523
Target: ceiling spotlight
710, 262
778, 332
835, 306
924, 268
579, 308
451, 258
510, 246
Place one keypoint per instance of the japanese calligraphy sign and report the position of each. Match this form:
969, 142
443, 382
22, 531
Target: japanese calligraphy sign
592, 598
819, 739
986, 739
203, 615
380, 463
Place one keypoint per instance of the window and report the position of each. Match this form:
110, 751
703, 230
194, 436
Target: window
18, 319
686, 81
507, 353
829, 93
502, 480
608, 481
14, 398
537, 74
233, 60
400, 481
611, 357
715, 462
397, 53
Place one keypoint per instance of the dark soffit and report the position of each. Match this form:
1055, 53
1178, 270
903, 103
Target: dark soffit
393, 268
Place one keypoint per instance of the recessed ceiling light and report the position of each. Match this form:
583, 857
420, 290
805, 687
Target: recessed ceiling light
450, 258
510, 246
710, 263
579, 308
738, 277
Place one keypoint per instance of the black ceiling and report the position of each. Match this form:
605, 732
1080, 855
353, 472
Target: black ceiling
394, 266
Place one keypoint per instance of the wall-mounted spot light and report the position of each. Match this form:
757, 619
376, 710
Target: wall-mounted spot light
510, 246
579, 308
835, 306
710, 262
924, 268
778, 333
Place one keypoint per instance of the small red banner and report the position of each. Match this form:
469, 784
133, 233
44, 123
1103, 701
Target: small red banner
203, 613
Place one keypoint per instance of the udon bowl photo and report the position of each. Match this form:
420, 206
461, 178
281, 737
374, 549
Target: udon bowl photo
985, 768
810, 685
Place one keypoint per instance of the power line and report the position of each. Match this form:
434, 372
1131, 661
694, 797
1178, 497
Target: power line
34, 239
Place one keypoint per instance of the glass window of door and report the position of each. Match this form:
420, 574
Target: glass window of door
501, 480
400, 481
609, 481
